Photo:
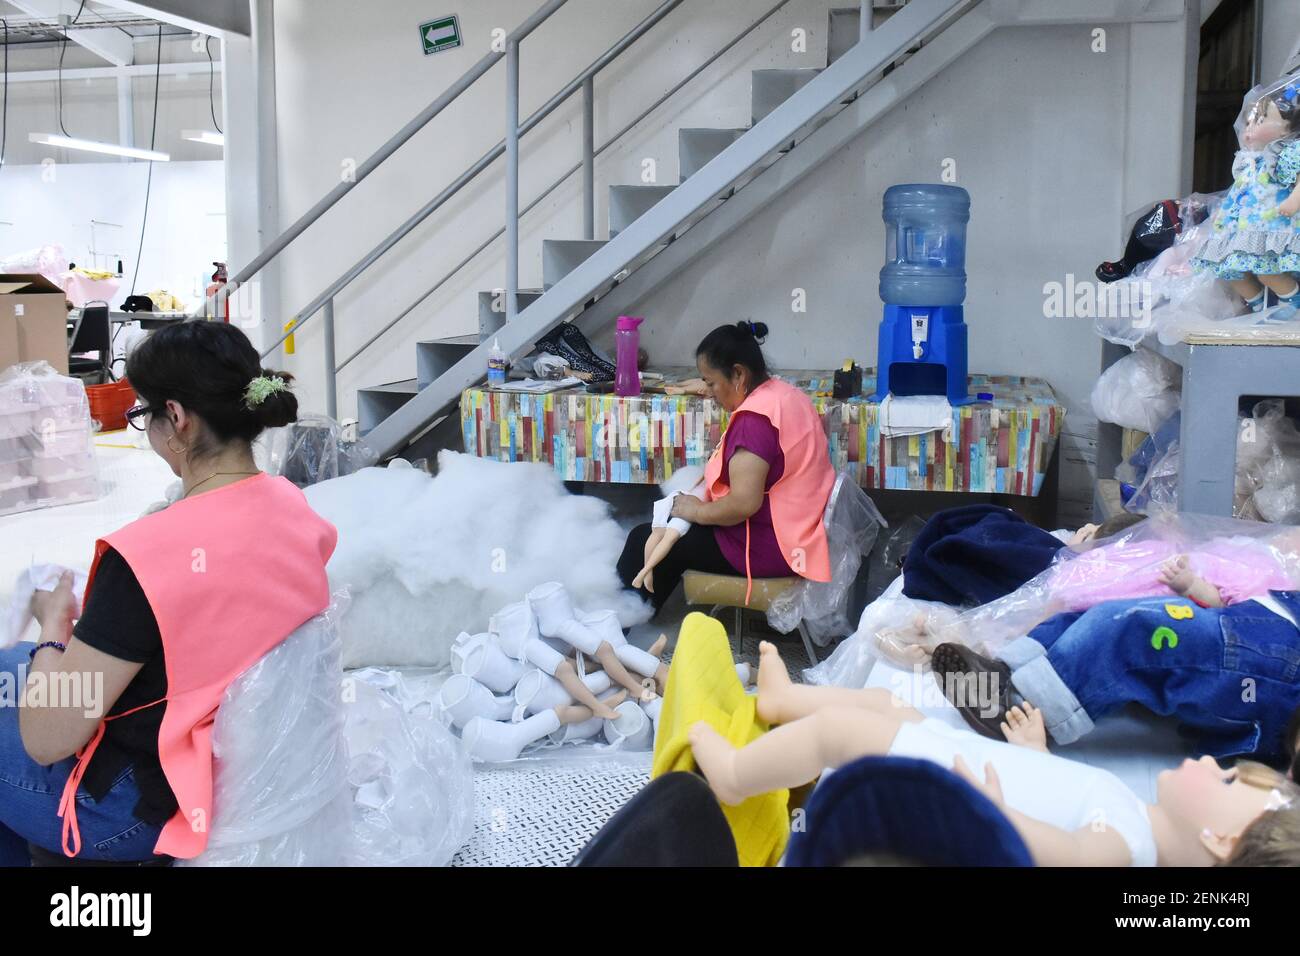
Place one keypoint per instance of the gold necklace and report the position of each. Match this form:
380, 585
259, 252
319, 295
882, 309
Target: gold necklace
216, 474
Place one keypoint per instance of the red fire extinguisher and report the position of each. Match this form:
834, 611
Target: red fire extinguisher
218, 283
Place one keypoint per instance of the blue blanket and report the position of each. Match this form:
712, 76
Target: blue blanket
975, 554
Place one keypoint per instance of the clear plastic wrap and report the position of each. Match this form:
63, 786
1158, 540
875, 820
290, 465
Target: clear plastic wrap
311, 769
852, 524
1267, 485
311, 450
1139, 391
47, 450
412, 780
1239, 558
49, 260
280, 788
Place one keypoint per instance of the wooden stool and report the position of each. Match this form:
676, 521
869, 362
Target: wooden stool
727, 590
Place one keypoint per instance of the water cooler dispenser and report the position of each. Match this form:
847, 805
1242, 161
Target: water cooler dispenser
922, 347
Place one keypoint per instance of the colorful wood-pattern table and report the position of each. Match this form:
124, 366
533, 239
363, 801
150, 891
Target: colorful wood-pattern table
1002, 446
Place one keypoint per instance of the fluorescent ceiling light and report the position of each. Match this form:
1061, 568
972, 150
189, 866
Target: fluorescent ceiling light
92, 146
208, 136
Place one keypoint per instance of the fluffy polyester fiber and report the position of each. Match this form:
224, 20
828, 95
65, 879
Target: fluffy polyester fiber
425, 558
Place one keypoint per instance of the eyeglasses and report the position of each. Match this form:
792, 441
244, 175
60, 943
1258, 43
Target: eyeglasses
136, 416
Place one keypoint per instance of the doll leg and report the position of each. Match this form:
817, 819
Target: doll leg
782, 701
615, 669
791, 755
664, 539
1283, 283
651, 543
567, 675
1248, 287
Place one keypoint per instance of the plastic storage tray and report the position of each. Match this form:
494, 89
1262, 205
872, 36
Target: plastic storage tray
16, 495
77, 487
13, 470
62, 443
17, 420
17, 449
66, 466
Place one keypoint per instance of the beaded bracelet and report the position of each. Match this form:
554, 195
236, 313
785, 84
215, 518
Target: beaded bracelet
54, 644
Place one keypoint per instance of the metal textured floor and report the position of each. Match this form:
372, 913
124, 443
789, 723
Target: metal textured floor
542, 812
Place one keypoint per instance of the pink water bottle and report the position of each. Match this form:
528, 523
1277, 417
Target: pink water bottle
627, 341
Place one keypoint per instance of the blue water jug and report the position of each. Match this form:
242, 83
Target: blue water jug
922, 345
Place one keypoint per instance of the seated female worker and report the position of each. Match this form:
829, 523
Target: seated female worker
765, 486
179, 603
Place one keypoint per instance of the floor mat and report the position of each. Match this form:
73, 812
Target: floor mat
542, 813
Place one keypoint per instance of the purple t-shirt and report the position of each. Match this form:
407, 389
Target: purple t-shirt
757, 435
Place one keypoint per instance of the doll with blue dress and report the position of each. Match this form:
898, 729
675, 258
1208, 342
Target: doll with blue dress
1255, 243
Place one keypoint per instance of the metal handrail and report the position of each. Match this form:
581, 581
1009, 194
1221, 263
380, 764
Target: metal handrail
467, 79
558, 182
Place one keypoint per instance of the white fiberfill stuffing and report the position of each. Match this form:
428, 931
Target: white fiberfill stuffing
425, 558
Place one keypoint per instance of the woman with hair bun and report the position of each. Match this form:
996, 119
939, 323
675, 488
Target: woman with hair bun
179, 604
765, 486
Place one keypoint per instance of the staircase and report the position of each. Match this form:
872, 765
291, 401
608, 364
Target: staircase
799, 119
393, 415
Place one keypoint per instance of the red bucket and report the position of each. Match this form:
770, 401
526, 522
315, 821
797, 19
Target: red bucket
108, 404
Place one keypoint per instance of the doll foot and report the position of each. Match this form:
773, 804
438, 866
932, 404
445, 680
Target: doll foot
578, 713
641, 577
773, 683
717, 760
1024, 726
657, 648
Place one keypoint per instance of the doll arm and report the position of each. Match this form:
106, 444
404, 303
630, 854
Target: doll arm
1178, 576
1291, 205
1049, 845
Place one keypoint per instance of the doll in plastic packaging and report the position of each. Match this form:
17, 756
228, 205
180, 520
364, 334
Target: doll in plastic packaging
1255, 242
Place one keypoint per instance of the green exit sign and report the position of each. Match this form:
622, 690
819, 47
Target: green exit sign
441, 34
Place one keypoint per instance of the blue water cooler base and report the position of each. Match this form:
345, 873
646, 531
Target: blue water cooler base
941, 368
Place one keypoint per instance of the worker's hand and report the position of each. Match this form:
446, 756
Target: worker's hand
991, 787
686, 507
57, 607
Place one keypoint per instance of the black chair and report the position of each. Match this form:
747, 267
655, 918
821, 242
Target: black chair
92, 333
674, 820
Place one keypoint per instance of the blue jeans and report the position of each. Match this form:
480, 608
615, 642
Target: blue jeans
1233, 673
30, 793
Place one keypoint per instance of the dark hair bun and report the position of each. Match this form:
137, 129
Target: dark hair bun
278, 408
757, 329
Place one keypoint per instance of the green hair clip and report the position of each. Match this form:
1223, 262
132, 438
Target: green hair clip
261, 388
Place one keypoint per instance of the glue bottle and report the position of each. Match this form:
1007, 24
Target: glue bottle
496, 371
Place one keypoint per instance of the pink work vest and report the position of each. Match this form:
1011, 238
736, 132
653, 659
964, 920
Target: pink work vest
229, 574
798, 498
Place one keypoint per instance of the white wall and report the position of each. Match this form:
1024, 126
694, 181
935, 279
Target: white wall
1280, 34
1055, 142
186, 230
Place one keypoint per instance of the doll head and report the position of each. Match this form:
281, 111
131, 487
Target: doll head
1272, 113
1224, 813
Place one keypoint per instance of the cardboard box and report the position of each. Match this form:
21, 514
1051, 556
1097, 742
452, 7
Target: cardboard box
33, 322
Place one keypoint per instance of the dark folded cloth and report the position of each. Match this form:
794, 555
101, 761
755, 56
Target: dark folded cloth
975, 554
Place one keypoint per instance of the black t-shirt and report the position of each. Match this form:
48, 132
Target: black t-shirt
118, 620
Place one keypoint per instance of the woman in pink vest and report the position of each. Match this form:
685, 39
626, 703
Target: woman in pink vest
766, 484
180, 602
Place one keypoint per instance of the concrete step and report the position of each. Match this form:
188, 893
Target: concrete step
562, 256
435, 356
492, 309
771, 88
697, 147
627, 204
377, 402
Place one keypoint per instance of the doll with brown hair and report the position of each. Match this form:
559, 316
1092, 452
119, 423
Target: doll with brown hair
1255, 243
1068, 813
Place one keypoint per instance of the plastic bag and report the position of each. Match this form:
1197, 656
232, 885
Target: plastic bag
852, 525
1240, 558
280, 789
413, 783
311, 450
1139, 391
313, 770
47, 452
49, 261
